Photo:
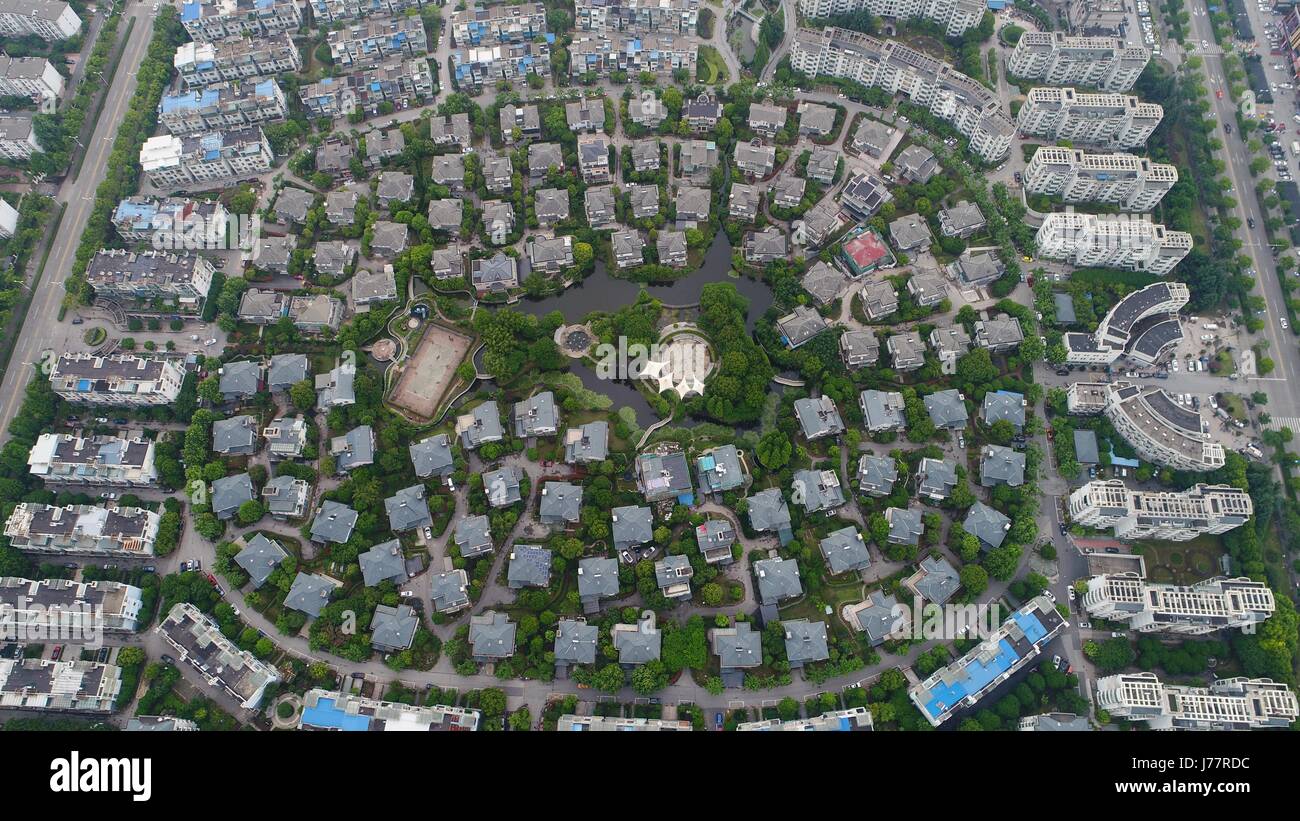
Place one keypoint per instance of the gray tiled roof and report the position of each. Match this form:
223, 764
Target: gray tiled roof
482, 424
393, 628
559, 502
738, 647
940, 580
530, 566
432, 456
229, 492
845, 550
238, 434
877, 474
936, 478
768, 511
576, 641
502, 486
877, 618
407, 509
818, 417
382, 562
1007, 405
597, 577
777, 579
491, 635
987, 524
309, 594
542, 156
588, 443
1001, 466
663, 476
551, 205
817, 490
882, 410
719, 470
805, 641
536, 415
639, 645
240, 379
672, 570
632, 526
333, 523
474, 536
259, 557
905, 525
825, 282
353, 449
947, 409
449, 591
286, 370
445, 215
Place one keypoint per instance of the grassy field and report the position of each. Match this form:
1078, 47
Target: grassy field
710, 68
1182, 562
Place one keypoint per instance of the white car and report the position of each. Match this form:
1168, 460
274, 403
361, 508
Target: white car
1072, 594
210, 342
1284, 323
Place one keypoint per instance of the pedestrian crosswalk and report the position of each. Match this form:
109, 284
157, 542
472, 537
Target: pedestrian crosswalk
1279, 422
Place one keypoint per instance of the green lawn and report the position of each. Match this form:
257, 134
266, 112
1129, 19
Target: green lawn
1182, 562
710, 68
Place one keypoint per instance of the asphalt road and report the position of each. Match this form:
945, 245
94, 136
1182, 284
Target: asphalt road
42, 329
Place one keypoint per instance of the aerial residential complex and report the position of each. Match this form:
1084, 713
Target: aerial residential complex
888, 64
65, 458
199, 642
1132, 183
1142, 326
82, 530
184, 279
81, 608
1088, 118
221, 106
210, 20
1059, 59
1227, 704
33, 77
639, 16
1161, 430
1174, 516
955, 16
1090, 240
201, 64
119, 379
1205, 607
47, 19
59, 686
205, 158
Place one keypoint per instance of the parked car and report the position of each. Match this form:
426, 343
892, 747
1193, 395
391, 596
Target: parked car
717, 721
1056, 662
168, 659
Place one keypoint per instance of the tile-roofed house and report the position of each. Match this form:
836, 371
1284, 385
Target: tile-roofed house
597, 579
882, 410
977, 268
935, 581
767, 119
354, 449
927, 289
452, 129
963, 219
240, 380
737, 648
335, 388
1085, 447
1001, 466
987, 525
389, 238
432, 456
199, 641
643, 200
766, 246
768, 512
286, 497
449, 591
593, 158
286, 438
236, 436
817, 490
859, 348
877, 616
910, 232
316, 313
229, 492
407, 509
309, 594
879, 299
395, 187
693, 204
950, 343
498, 221
519, 123
333, 156
816, 119
491, 636
916, 163
999, 333
637, 643
649, 111
449, 170
495, 274
384, 145
787, 191
445, 215
473, 536
1007, 405
876, 475
542, 157
673, 575
333, 257
259, 558
536, 416
599, 205
719, 470
498, 173
646, 155
935, 478
292, 205
482, 424
805, 642
818, 417
905, 525
448, 262
947, 409
560, 503
662, 476
823, 163
671, 246
392, 629
872, 137
341, 207
702, 113
800, 326
778, 580
628, 248
588, 443
715, 538
1065, 314
502, 486
368, 287
845, 550
755, 159
631, 526
699, 157
530, 566
742, 202
334, 522
575, 642
863, 195
286, 370
584, 115
551, 206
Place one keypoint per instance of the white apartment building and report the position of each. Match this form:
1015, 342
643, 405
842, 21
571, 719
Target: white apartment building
201, 64
117, 380
211, 20
33, 77
47, 19
1133, 183
198, 640
82, 530
394, 80
1227, 704
1087, 118
1134, 244
1174, 516
18, 137
1161, 430
1142, 327
366, 42
382, 716
522, 23
638, 16
223, 106
1061, 60
102, 461
182, 279
956, 16
199, 159
332, 11
973, 110
184, 223
1205, 607
59, 686
81, 608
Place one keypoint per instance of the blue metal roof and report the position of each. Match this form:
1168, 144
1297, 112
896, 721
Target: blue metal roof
326, 714
190, 11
